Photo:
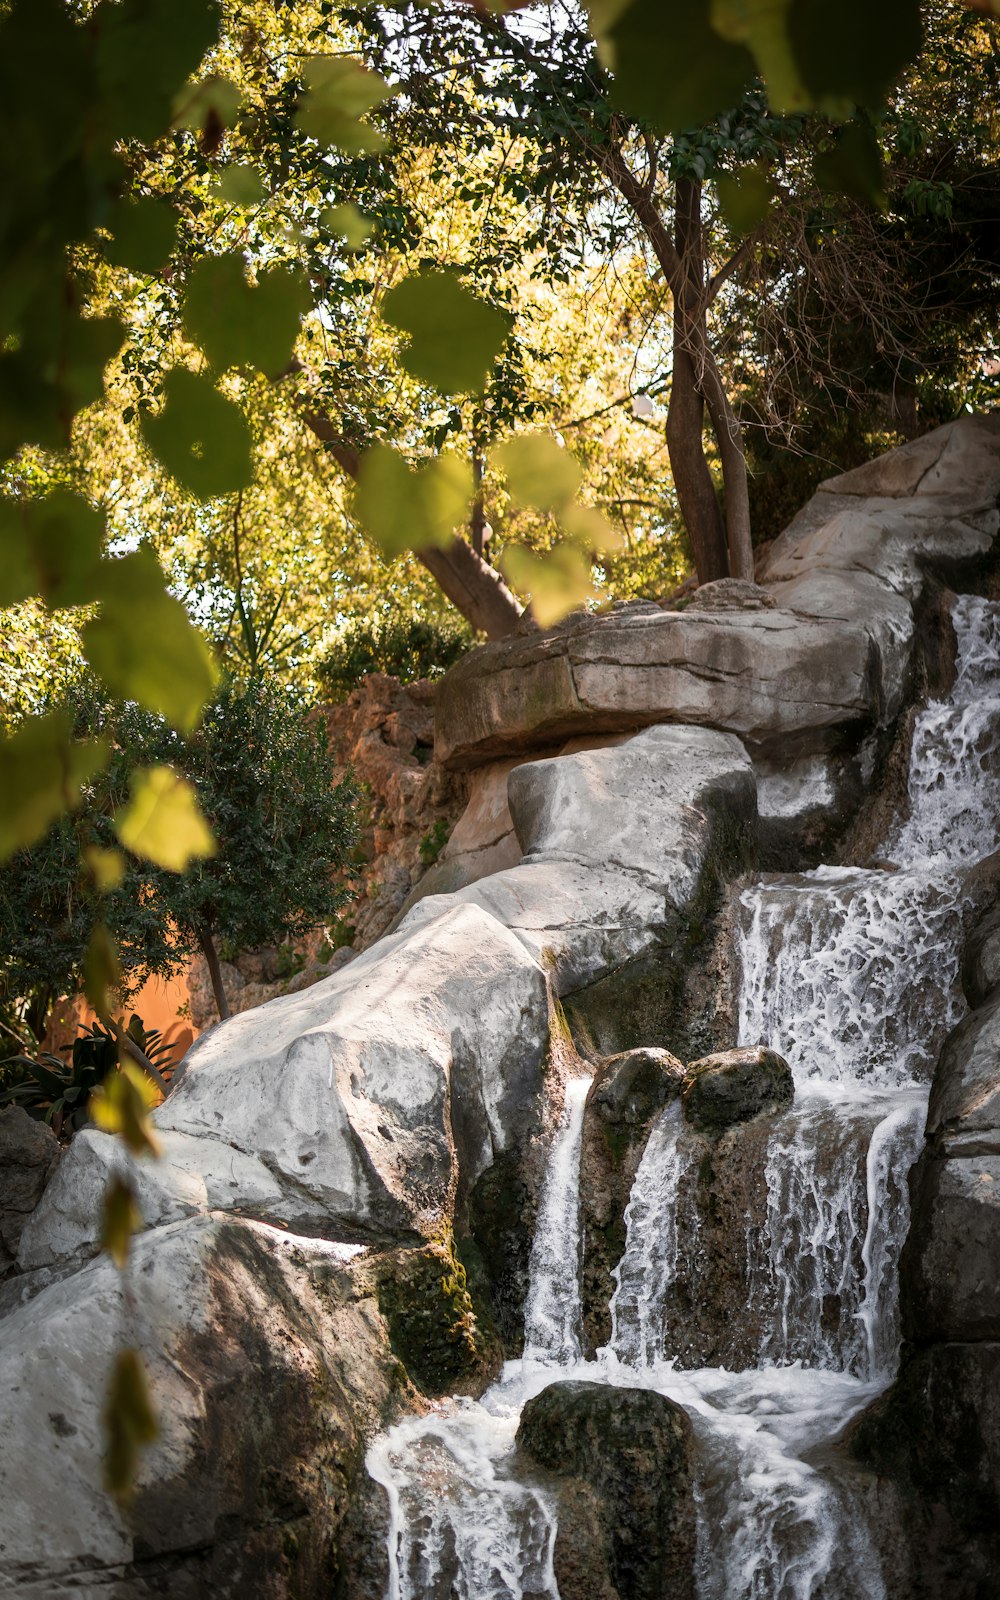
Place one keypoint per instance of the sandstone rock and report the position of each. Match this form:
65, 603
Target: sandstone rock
619, 844
354, 1108
735, 1085
962, 456
29, 1153
269, 1367
626, 1502
730, 594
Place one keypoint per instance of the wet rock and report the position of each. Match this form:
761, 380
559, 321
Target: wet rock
951, 1268
269, 1366
628, 1092
621, 1460
965, 1096
981, 967
29, 1152
734, 1086
433, 1324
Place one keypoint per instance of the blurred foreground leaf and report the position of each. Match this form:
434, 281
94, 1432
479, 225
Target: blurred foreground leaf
130, 1422
121, 1105
406, 508
200, 437
163, 821
454, 337
538, 470
120, 1219
240, 325
338, 93
42, 770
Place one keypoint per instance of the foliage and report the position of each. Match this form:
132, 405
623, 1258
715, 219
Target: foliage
404, 647
261, 768
58, 1091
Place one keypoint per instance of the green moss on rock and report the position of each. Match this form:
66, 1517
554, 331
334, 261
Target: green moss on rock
433, 1324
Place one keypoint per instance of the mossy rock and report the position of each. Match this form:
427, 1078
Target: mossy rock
734, 1086
434, 1328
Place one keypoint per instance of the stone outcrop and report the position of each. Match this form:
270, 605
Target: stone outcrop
29, 1151
934, 1436
269, 1365
620, 1462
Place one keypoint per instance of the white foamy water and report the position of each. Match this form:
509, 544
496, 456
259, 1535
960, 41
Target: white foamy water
853, 976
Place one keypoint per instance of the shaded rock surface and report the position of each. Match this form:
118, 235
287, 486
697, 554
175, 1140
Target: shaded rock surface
29, 1151
621, 1457
735, 1085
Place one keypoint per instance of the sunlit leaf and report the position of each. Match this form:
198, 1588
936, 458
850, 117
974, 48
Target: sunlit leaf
143, 234
42, 771
556, 582
120, 1219
200, 437
539, 471
101, 969
240, 185
237, 324
406, 508
454, 337
130, 1423
853, 166
122, 1105
144, 644
106, 867
163, 820
744, 197
762, 25
353, 226
590, 529
339, 91
671, 68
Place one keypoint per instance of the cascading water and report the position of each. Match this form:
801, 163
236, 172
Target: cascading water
853, 976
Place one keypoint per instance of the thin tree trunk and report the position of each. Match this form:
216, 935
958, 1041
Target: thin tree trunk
211, 955
696, 496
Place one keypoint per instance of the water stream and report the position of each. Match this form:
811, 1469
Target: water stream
853, 975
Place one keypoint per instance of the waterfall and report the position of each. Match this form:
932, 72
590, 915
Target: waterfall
552, 1318
647, 1267
853, 975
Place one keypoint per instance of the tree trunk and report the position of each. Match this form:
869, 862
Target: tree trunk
211, 955
696, 496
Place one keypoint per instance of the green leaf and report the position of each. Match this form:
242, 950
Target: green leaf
106, 867
240, 185
350, 223
121, 1105
200, 437
51, 548
762, 25
130, 1423
454, 337
557, 581
201, 107
101, 970
590, 529
671, 68
411, 509
853, 166
42, 771
144, 232
145, 51
239, 325
338, 93
539, 471
144, 645
163, 821
744, 197
120, 1219
853, 52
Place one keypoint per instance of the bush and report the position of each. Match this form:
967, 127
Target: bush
406, 648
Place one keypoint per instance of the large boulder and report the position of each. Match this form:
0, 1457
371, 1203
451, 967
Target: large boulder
29, 1151
619, 847
269, 1366
356, 1109
621, 1460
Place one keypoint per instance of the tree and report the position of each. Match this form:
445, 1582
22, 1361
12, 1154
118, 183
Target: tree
261, 767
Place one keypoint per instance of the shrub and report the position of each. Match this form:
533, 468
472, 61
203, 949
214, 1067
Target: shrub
406, 648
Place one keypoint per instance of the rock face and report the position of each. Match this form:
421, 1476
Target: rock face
735, 1085
269, 1364
934, 1437
29, 1151
816, 653
621, 1460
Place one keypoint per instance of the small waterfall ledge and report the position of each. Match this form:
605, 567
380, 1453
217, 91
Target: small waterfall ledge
371, 1163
